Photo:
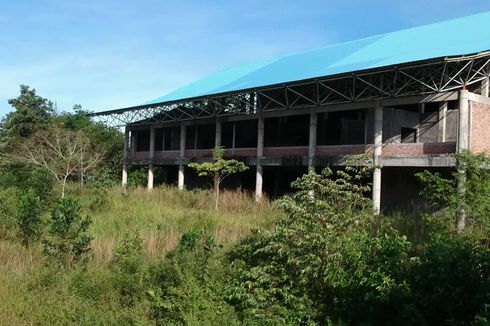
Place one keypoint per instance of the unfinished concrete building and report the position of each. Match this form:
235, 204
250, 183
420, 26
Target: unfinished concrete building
409, 99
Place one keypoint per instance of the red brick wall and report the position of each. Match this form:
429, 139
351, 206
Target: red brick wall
396, 149
480, 128
285, 151
344, 150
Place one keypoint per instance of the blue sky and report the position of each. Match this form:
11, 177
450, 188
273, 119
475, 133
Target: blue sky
111, 54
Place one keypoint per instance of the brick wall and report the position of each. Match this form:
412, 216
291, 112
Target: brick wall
480, 127
418, 149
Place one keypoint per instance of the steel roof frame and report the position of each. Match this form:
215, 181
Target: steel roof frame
435, 76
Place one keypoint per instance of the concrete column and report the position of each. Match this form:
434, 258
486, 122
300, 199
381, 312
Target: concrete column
485, 87
125, 159
312, 141
462, 145
463, 122
260, 154
151, 157
217, 139
181, 157
378, 149
442, 122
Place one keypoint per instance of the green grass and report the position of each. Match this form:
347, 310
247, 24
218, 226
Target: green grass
32, 294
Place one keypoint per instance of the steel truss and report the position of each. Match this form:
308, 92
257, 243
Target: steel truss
424, 78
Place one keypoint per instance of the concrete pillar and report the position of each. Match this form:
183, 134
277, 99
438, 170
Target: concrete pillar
125, 159
378, 149
151, 158
442, 122
260, 154
180, 181
217, 139
485, 87
463, 122
462, 145
312, 141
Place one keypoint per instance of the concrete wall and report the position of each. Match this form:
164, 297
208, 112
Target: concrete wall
480, 127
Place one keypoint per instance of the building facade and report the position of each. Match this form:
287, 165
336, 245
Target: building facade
409, 111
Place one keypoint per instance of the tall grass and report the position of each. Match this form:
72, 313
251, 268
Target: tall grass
160, 217
33, 294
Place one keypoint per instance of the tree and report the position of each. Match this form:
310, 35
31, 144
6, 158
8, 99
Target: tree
32, 112
67, 241
29, 217
62, 152
219, 169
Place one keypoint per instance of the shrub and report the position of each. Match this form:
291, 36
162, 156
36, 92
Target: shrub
67, 242
188, 286
8, 212
129, 269
322, 263
29, 217
450, 279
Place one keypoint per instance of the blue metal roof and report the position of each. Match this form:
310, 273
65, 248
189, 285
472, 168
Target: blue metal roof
461, 36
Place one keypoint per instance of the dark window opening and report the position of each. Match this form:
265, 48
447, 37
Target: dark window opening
341, 128
171, 138
142, 140
190, 137
227, 134
200, 136
286, 131
159, 139
206, 136
246, 134
408, 135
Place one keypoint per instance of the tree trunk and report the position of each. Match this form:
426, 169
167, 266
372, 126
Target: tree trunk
63, 184
216, 191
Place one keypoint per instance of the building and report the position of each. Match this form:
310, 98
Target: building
411, 99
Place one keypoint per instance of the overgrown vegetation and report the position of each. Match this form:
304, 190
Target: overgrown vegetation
100, 256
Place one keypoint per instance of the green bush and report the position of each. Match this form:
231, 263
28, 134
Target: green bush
129, 269
29, 217
8, 212
67, 242
450, 279
188, 287
322, 263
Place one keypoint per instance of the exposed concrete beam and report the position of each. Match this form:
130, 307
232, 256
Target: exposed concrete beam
378, 150
125, 160
152, 156
180, 181
260, 154
312, 141
419, 161
485, 87
478, 98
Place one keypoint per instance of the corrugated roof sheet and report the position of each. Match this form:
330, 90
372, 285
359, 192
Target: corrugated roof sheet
461, 36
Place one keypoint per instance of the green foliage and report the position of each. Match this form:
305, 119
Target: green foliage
67, 242
8, 212
32, 113
188, 287
322, 263
218, 170
137, 176
475, 200
29, 217
23, 177
450, 279
129, 269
